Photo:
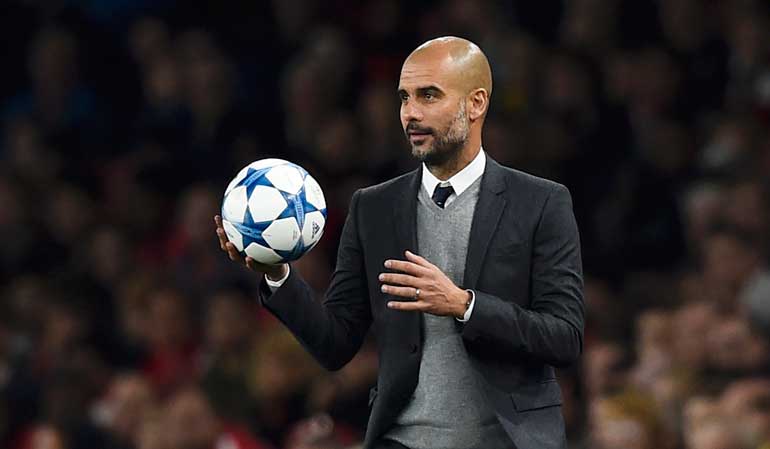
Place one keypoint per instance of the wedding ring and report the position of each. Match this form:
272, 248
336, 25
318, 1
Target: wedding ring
417, 294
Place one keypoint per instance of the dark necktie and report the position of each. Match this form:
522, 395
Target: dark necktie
441, 194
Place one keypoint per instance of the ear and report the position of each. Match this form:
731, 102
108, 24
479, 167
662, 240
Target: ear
478, 103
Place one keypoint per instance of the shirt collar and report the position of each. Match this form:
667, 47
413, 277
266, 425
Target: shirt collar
461, 180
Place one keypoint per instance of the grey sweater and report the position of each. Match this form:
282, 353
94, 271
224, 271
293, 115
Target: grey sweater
447, 409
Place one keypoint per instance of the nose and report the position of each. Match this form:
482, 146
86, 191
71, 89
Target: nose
410, 111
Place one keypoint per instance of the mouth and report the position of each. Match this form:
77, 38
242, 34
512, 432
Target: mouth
418, 137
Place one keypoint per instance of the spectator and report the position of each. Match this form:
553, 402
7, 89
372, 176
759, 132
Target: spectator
192, 424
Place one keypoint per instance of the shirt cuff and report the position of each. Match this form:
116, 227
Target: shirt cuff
468, 312
274, 285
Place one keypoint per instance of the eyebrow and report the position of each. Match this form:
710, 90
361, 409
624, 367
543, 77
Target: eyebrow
423, 90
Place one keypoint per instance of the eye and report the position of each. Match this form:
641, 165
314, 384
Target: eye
429, 96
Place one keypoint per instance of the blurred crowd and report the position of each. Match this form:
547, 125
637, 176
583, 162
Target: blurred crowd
122, 326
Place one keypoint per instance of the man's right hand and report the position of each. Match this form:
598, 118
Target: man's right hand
273, 272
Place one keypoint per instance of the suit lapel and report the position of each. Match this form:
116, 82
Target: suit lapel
486, 216
405, 215
407, 324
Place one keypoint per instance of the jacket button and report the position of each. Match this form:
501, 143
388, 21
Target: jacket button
413, 348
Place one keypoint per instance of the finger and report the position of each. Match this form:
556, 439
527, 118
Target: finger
420, 306
252, 264
399, 279
222, 238
406, 267
419, 260
220, 232
232, 251
405, 292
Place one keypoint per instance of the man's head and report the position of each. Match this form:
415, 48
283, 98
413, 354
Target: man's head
444, 90
190, 421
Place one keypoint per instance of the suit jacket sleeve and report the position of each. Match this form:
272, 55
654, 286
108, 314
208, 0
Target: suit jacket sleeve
551, 328
331, 331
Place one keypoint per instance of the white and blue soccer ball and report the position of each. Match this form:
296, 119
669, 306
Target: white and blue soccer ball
273, 211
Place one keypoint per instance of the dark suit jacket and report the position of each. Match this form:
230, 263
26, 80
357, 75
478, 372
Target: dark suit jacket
524, 265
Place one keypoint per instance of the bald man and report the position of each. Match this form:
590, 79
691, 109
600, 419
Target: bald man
469, 271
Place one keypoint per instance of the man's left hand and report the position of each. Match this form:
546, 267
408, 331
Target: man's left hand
438, 295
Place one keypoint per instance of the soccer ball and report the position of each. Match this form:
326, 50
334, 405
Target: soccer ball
273, 211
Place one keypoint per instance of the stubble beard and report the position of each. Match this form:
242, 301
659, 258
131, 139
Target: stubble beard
447, 145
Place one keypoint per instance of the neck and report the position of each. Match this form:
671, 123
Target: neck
456, 164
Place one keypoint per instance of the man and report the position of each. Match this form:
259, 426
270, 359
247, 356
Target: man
469, 330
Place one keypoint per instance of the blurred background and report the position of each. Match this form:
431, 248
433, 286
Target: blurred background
122, 326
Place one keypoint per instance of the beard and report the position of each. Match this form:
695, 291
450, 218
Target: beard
447, 144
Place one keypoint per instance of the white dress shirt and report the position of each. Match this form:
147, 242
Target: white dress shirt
459, 182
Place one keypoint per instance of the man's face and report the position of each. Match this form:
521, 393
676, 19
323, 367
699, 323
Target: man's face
433, 111
190, 422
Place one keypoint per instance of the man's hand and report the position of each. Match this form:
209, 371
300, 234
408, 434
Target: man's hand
438, 295
273, 272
